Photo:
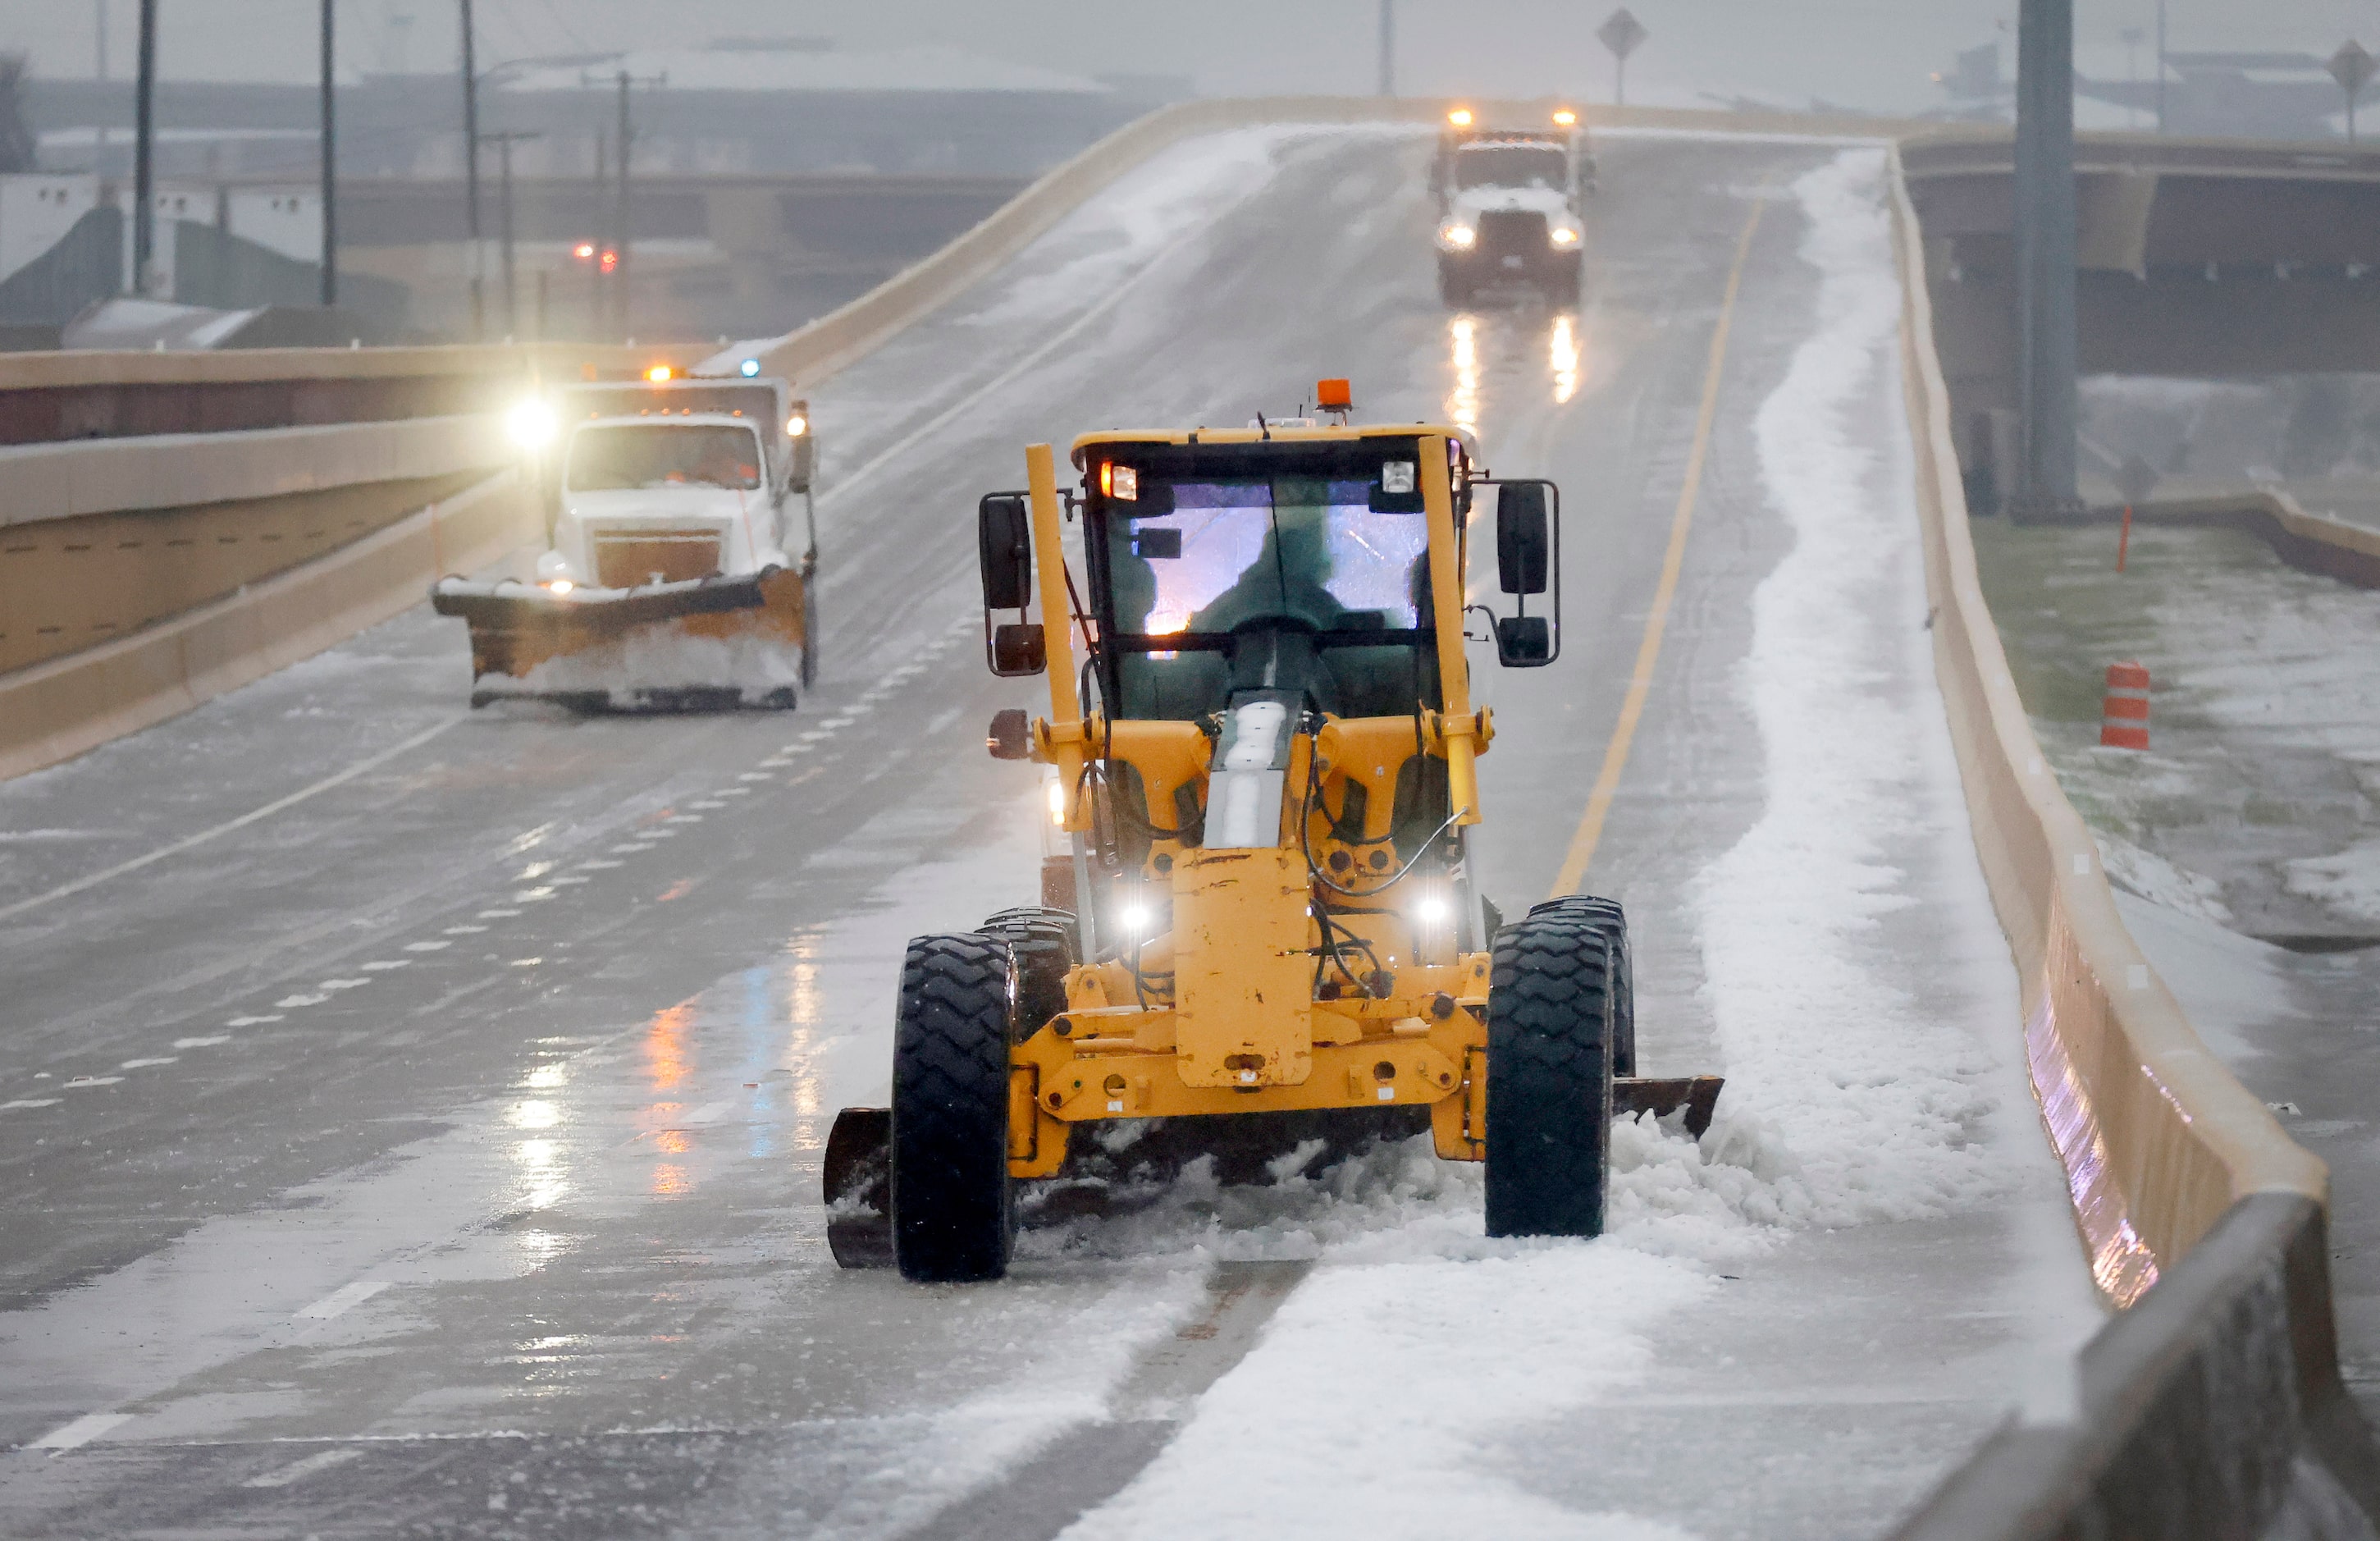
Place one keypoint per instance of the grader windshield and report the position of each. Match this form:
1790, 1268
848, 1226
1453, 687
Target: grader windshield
1320, 568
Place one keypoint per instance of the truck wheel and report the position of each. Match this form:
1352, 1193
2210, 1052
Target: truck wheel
1623, 974
953, 1216
1042, 943
1550, 1012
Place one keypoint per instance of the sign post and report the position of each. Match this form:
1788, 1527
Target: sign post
1622, 33
2352, 67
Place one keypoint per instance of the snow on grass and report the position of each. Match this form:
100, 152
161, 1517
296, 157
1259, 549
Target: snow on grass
1419, 1347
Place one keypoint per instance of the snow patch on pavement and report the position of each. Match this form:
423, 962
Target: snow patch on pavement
663, 661
1851, 1102
1177, 193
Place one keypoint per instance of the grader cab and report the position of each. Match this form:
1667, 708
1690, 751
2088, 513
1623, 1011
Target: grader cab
1265, 754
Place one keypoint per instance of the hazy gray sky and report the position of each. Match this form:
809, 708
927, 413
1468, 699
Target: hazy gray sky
1873, 54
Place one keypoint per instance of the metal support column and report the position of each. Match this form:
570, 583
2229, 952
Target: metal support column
471, 175
144, 152
1388, 47
2044, 258
330, 164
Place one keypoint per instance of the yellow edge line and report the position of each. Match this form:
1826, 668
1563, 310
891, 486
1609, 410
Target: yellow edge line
1648, 651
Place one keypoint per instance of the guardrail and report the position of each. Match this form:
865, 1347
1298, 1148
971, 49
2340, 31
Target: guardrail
2213, 1401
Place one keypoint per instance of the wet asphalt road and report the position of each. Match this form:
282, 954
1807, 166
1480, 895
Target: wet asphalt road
438, 1155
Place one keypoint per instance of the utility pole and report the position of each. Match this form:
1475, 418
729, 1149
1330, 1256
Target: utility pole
144, 150
2044, 258
504, 141
627, 140
2161, 90
471, 175
1388, 47
330, 166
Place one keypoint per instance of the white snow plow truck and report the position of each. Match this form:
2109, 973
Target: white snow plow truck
667, 582
1512, 210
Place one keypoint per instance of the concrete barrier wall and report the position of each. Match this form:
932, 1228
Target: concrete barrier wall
76, 478
2310, 542
2212, 1404
57, 709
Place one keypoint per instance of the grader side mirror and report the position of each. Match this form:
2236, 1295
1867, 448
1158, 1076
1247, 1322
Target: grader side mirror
1004, 535
1018, 651
1523, 641
1522, 537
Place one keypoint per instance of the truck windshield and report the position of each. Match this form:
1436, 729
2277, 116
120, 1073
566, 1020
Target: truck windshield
1300, 548
635, 455
1512, 166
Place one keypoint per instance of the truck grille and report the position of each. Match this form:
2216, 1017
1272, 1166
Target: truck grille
627, 558
1512, 233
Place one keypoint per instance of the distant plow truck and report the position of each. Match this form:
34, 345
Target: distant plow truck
1512, 208
668, 581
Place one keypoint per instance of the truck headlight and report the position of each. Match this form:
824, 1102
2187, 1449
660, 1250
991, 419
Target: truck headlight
531, 424
1564, 236
1458, 236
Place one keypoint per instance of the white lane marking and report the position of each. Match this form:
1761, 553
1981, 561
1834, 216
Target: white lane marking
570, 882
382, 966
202, 1043
527, 963
299, 1471
93, 1081
259, 1020
591, 867
427, 946
685, 819
82, 1431
498, 914
267, 811
743, 776
153, 1060
462, 930
710, 1113
740, 791
291, 1002
343, 984
32, 1102
344, 1299
532, 895
708, 803
843, 722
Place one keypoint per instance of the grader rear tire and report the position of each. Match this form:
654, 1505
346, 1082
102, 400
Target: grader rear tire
1550, 1015
954, 1213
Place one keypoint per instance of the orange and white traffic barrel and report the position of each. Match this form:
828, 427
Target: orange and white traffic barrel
2124, 714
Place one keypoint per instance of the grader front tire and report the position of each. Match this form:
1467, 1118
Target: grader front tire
1551, 1010
953, 1215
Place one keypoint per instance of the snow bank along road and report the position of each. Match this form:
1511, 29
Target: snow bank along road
439, 1153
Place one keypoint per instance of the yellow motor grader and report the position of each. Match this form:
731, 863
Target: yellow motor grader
1264, 748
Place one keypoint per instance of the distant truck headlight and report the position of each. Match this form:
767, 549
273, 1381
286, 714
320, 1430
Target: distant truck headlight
531, 424
1459, 236
796, 425
1562, 234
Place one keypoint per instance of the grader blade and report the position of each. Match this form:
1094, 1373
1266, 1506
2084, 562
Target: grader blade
1698, 1095
858, 1183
